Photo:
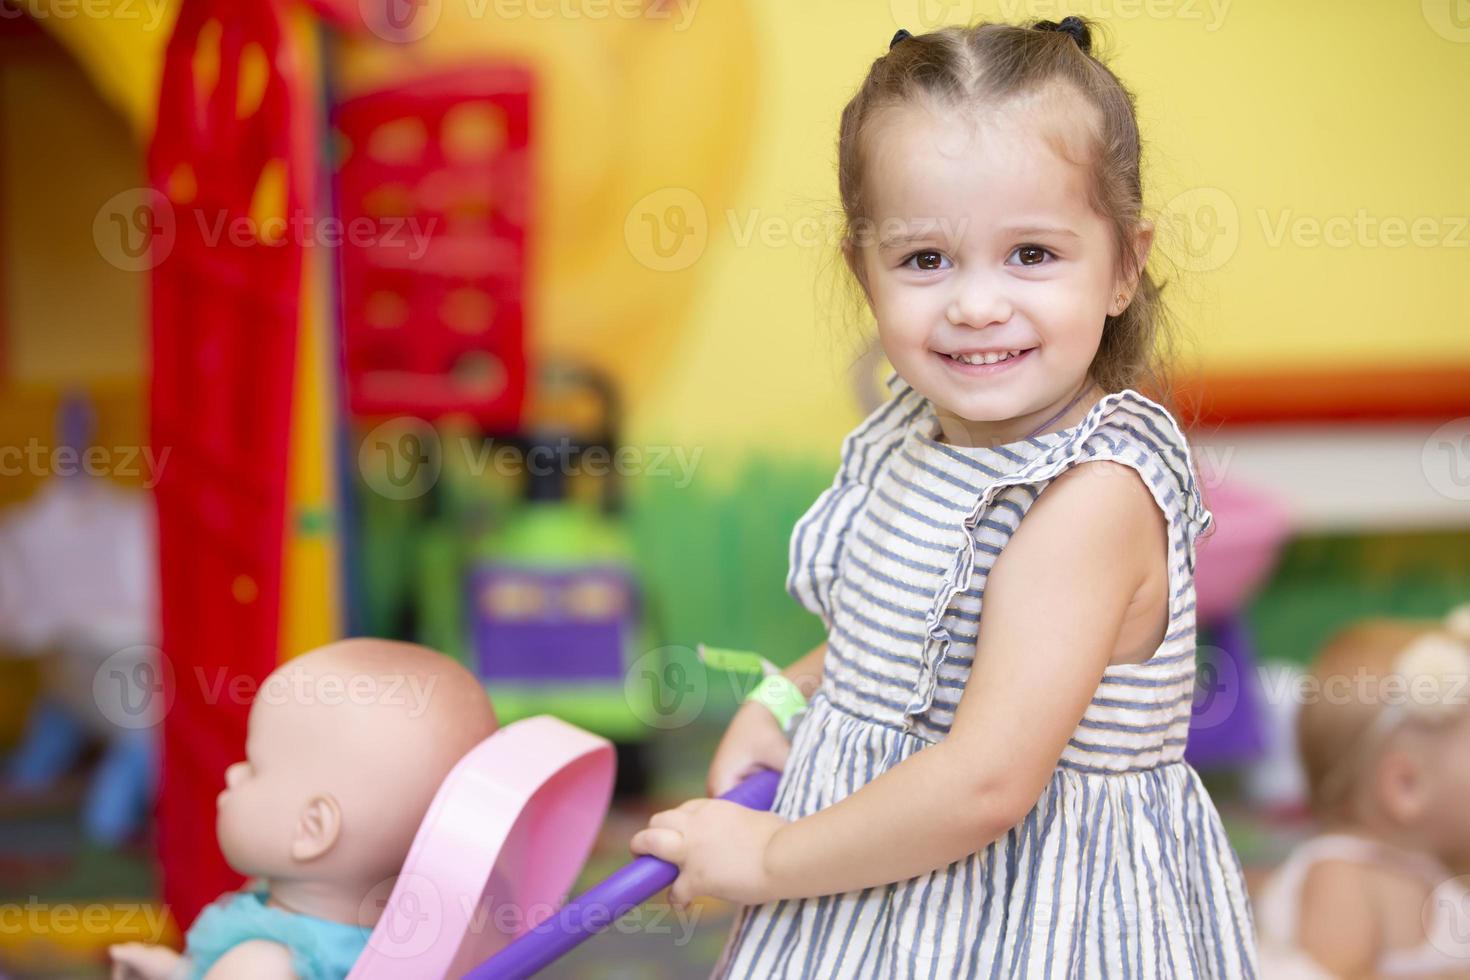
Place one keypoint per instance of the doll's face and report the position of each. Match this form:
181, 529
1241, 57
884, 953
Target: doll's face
1444, 769
265, 792
982, 239
347, 745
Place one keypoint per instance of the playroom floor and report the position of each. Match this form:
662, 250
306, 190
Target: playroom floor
88, 896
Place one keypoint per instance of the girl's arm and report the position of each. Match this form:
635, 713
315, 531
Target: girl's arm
1054, 606
806, 671
754, 738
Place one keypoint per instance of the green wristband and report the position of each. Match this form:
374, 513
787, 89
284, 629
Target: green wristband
775, 691
735, 661
780, 694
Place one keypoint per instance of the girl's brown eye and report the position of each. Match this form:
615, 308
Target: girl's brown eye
1031, 254
928, 261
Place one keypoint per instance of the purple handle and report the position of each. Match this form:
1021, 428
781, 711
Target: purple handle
607, 901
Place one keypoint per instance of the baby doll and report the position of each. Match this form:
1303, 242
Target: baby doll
346, 748
1384, 733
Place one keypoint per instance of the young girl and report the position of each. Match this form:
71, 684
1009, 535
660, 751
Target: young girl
1385, 739
1006, 795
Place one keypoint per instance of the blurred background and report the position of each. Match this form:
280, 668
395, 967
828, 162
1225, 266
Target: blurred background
516, 327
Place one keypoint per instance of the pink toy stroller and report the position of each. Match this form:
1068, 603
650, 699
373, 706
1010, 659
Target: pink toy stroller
480, 892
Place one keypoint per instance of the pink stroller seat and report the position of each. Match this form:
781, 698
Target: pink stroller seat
497, 852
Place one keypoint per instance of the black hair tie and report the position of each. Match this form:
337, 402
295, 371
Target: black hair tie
902, 35
1073, 27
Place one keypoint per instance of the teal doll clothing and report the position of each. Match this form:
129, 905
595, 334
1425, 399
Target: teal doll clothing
320, 949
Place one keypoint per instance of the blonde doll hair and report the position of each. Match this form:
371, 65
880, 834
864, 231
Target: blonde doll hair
1371, 680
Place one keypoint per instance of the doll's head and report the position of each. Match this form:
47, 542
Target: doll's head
990, 186
346, 748
1384, 732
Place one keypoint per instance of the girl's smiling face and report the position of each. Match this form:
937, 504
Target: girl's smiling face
980, 240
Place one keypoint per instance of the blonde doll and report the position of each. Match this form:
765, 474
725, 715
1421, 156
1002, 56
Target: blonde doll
1006, 794
1385, 740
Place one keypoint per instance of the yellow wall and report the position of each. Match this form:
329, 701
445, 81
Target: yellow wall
118, 43
69, 319
69, 315
1261, 119
1311, 109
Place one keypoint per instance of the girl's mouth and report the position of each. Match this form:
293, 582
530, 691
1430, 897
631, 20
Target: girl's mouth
973, 365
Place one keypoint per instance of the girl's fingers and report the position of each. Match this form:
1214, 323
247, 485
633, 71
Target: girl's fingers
666, 845
671, 819
679, 893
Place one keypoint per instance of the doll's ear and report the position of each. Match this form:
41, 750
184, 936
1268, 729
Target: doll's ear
1400, 785
318, 829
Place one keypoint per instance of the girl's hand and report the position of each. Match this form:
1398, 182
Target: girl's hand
720, 848
752, 741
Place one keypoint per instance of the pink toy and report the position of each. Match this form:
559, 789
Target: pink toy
1235, 560
497, 852
1228, 727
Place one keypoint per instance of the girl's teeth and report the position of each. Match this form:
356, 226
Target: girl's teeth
991, 358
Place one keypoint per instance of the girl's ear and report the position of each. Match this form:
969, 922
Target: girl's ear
1142, 245
318, 829
853, 256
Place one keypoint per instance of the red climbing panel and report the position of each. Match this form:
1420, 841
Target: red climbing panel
433, 192
233, 146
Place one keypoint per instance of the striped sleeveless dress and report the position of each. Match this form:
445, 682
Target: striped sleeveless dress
1122, 868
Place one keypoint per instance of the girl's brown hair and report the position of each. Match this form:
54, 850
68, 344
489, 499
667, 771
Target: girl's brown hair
986, 65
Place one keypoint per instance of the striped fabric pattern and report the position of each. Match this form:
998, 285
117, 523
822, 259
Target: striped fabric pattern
1122, 868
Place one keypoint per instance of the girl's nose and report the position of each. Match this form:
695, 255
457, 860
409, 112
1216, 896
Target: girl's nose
978, 303
234, 774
